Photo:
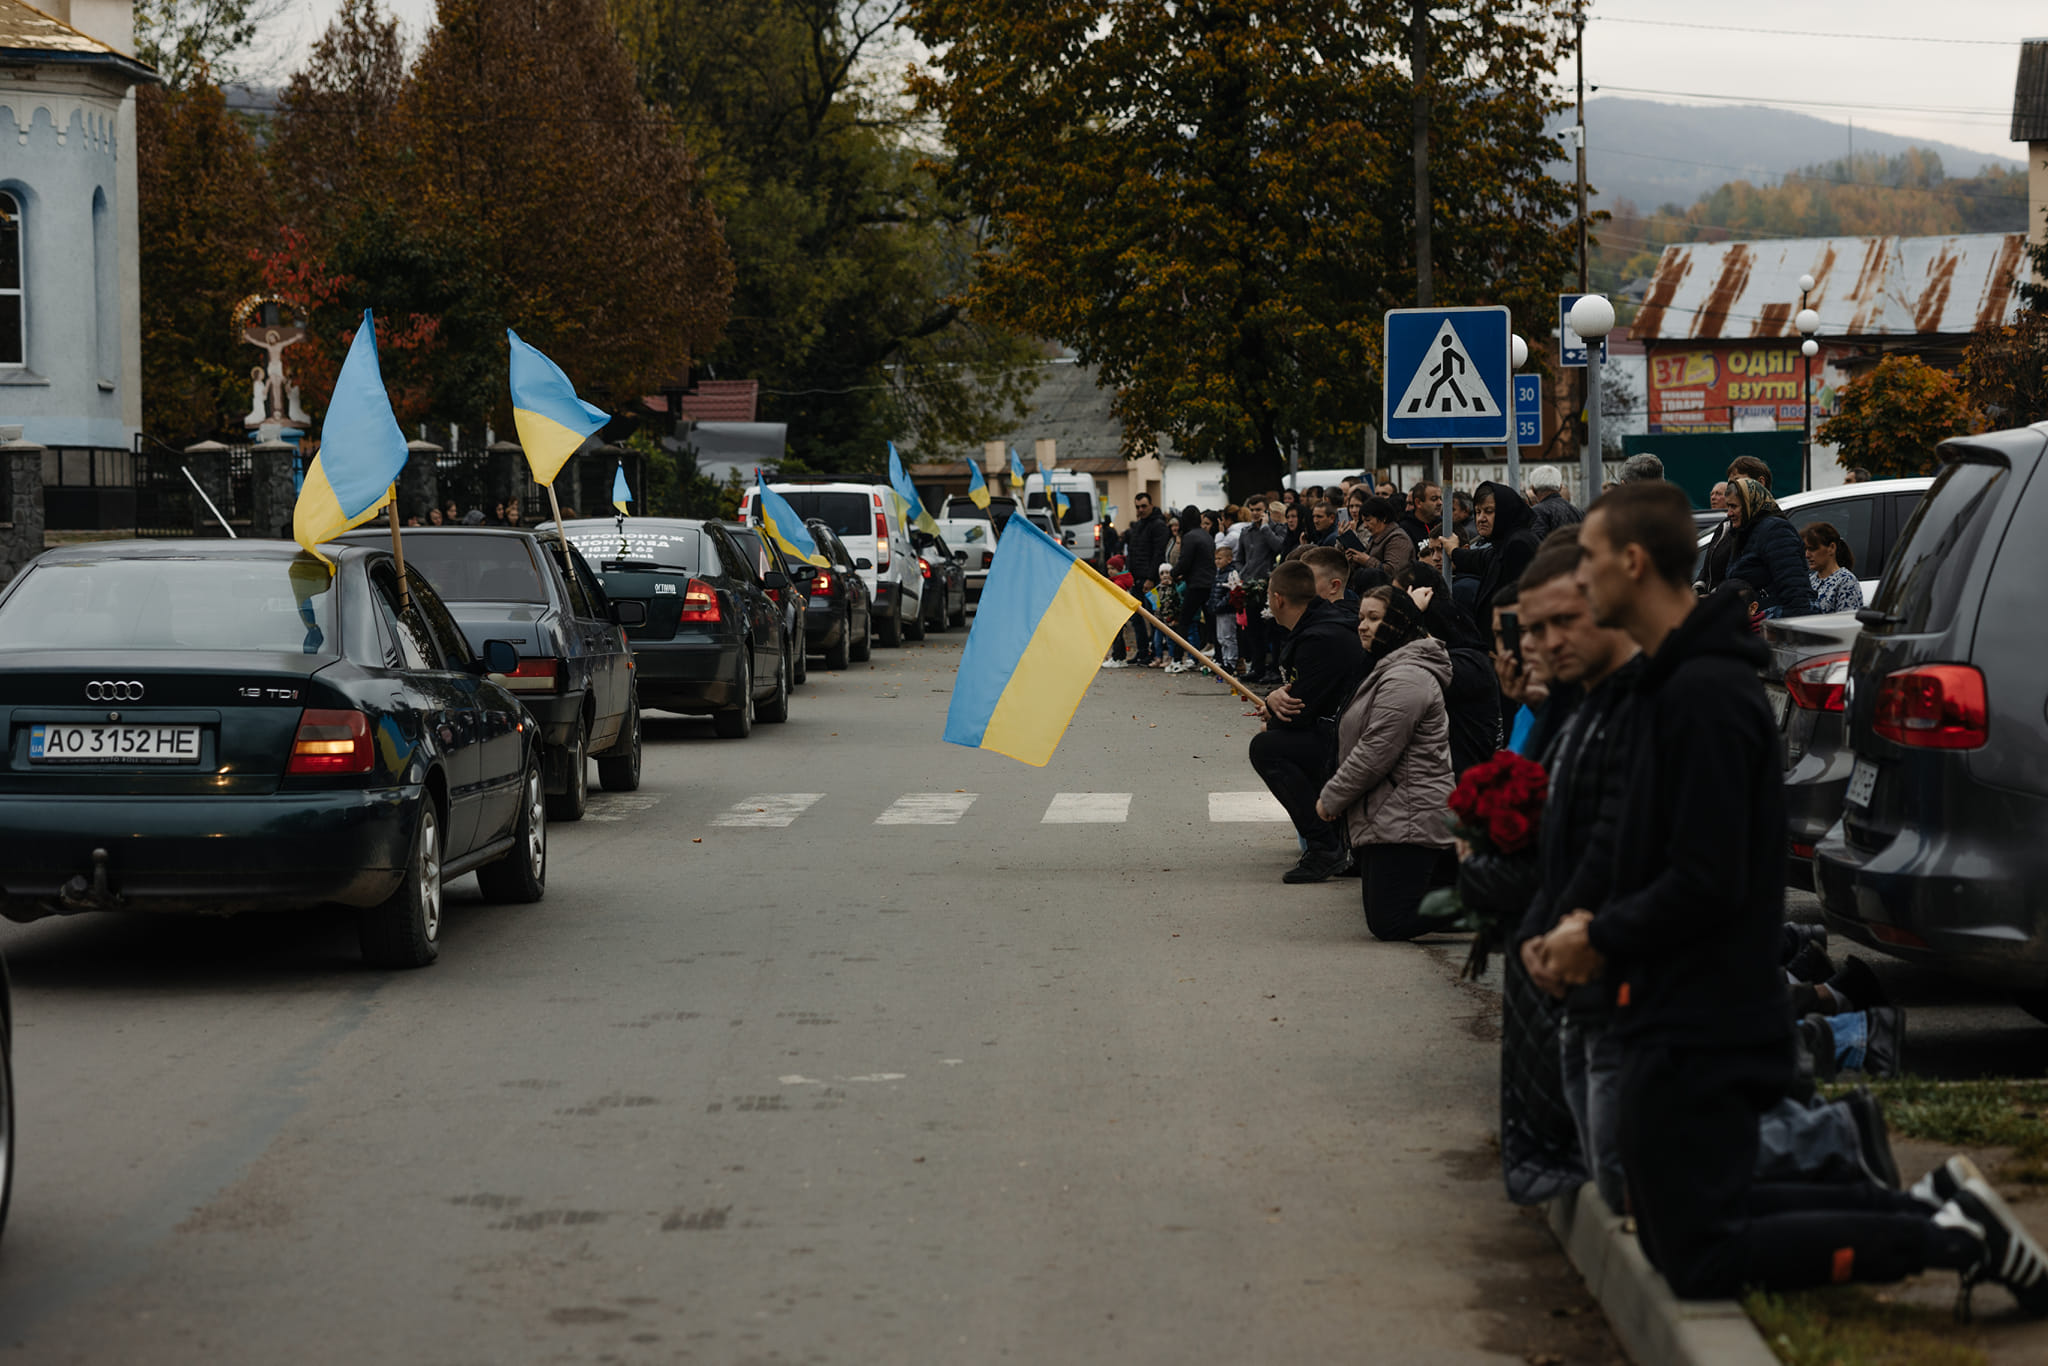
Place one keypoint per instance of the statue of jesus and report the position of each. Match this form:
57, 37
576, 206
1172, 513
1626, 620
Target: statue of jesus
272, 341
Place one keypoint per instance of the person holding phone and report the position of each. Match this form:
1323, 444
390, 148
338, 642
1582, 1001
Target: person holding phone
1380, 543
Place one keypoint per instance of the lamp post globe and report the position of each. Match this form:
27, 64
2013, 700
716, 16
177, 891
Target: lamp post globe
1592, 317
1806, 284
1809, 348
1520, 351
1808, 322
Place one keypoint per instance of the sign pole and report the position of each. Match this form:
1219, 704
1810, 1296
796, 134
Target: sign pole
1591, 465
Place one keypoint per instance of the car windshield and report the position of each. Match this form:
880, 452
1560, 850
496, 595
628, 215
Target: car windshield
964, 510
155, 604
676, 548
1080, 506
467, 566
1931, 563
849, 514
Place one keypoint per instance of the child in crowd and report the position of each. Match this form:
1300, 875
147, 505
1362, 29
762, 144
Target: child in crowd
1121, 577
1222, 613
1164, 600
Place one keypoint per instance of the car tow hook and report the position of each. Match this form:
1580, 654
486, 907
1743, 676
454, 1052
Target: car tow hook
96, 895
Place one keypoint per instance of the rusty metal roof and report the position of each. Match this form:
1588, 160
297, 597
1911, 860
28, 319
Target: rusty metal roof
715, 400
1863, 287
29, 35
2030, 93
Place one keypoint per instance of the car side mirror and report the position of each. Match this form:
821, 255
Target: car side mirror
863, 563
774, 580
500, 657
626, 612
1067, 540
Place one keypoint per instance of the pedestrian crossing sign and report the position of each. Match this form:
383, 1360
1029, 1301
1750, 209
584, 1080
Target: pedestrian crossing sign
1448, 372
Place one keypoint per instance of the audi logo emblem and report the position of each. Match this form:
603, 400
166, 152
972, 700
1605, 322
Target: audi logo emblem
114, 690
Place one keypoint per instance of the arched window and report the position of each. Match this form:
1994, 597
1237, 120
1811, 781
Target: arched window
13, 318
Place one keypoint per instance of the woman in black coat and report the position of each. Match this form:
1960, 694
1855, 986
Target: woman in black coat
1195, 571
1510, 546
1769, 555
1473, 697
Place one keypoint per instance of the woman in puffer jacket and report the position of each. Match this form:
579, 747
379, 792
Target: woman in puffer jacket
1769, 557
1393, 778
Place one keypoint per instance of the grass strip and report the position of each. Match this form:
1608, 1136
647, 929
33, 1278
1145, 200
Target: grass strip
1848, 1326
1990, 1113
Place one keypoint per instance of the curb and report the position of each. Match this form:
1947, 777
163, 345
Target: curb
1656, 1328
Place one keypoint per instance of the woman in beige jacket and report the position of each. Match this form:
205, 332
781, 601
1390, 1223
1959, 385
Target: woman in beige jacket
1393, 778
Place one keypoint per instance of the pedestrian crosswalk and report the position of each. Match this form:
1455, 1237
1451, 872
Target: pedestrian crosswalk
779, 810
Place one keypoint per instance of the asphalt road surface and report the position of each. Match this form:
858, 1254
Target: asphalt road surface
837, 1044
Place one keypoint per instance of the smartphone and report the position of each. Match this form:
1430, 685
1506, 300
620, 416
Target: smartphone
1511, 634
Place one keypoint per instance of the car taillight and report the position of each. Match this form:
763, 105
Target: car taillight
1934, 706
924, 567
535, 675
987, 559
881, 535
332, 742
775, 596
1818, 684
700, 603
821, 582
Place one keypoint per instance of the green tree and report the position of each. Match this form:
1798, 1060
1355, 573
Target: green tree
1212, 200
2005, 369
1890, 419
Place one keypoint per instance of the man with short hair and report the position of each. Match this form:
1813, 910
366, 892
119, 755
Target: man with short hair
1717, 497
1549, 508
1642, 468
1258, 550
1324, 528
1145, 548
1690, 935
1295, 754
1333, 574
1425, 516
1856, 475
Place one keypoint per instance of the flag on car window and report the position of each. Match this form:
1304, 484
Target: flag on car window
774, 515
621, 495
361, 450
1016, 473
552, 421
977, 487
909, 507
1044, 621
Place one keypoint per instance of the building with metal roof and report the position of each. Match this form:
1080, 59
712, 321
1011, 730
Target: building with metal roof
2030, 125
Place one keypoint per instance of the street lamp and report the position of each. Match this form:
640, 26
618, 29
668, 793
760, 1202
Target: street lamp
1808, 323
1519, 354
1592, 317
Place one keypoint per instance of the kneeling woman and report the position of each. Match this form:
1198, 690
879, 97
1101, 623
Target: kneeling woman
1393, 776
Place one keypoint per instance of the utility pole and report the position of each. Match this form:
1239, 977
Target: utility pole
1585, 392
1418, 67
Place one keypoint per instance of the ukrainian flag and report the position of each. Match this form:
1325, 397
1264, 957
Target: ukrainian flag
1016, 476
774, 515
621, 494
361, 450
1038, 637
552, 421
909, 506
977, 487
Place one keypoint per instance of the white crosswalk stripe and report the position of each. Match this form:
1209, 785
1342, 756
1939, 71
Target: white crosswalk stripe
769, 809
1088, 808
927, 808
1241, 807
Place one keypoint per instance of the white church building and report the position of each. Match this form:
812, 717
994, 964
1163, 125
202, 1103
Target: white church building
70, 287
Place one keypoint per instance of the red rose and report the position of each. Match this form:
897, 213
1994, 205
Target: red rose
1509, 831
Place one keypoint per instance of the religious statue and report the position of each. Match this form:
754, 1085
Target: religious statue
269, 325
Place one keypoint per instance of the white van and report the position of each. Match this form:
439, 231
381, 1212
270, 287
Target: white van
1081, 526
864, 517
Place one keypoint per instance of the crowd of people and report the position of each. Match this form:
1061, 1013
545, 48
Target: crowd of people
1680, 1019
508, 512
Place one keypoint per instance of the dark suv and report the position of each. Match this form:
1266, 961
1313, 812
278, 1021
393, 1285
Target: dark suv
1939, 856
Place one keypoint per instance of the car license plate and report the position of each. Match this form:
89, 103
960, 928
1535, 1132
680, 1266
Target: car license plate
1781, 703
1862, 783
110, 744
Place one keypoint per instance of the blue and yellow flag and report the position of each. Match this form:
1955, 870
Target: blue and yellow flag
552, 421
774, 515
1060, 508
621, 494
977, 486
909, 506
1045, 619
1016, 475
361, 450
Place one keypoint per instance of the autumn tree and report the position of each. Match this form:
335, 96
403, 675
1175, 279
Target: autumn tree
1212, 200
1890, 419
2005, 369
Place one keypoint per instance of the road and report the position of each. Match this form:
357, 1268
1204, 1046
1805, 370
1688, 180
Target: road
771, 1078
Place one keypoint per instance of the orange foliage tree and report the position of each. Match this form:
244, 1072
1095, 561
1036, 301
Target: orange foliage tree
1890, 420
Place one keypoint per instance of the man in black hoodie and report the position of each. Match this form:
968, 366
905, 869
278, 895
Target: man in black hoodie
1690, 934
1145, 547
1295, 754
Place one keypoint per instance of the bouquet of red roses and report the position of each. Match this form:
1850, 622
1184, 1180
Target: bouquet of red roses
1498, 806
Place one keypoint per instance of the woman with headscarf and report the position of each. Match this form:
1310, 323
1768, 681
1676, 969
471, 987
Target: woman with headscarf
1769, 555
1473, 694
1195, 571
1293, 537
1511, 544
1393, 778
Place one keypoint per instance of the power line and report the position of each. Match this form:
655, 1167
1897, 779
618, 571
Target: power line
1802, 32
1970, 110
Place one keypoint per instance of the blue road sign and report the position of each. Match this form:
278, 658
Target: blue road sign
1448, 374
1528, 410
1571, 346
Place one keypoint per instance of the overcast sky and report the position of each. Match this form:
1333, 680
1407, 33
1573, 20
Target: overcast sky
1943, 71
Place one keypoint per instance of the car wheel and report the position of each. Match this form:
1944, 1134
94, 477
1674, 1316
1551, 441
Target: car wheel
837, 656
960, 617
737, 722
892, 628
913, 628
941, 620
619, 768
860, 654
776, 707
2035, 1003
567, 805
522, 875
405, 932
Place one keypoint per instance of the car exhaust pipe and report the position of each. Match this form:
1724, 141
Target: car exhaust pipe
97, 894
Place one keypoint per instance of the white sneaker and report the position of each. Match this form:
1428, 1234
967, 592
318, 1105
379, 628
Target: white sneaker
1114, 664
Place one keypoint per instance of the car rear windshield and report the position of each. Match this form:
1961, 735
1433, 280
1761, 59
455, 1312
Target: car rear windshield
679, 549
964, 510
467, 566
284, 606
1931, 563
849, 514
1080, 507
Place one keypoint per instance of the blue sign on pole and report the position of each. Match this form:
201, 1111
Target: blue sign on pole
1571, 346
1448, 376
1528, 410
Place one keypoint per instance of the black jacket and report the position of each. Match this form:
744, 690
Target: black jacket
1323, 664
1770, 557
1507, 552
1693, 921
1473, 700
1145, 546
1196, 567
1552, 513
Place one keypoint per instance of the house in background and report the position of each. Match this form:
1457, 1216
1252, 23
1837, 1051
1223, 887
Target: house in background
70, 282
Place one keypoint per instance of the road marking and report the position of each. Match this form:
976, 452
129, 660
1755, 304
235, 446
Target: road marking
617, 806
1236, 807
1087, 808
927, 808
768, 809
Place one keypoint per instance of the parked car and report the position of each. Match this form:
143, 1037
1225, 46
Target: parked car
838, 614
6, 1094
945, 582
710, 639
226, 726
1871, 517
575, 670
1939, 854
1082, 521
863, 515
1805, 680
769, 559
972, 534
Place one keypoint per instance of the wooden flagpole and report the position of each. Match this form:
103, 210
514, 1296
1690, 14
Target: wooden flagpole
398, 550
555, 506
1214, 667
